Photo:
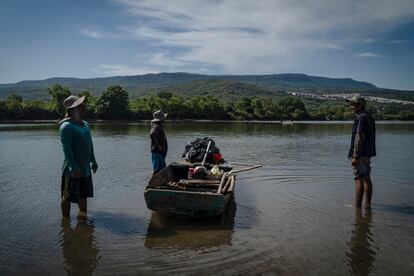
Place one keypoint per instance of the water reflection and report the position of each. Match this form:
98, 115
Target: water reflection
361, 255
80, 252
119, 223
171, 233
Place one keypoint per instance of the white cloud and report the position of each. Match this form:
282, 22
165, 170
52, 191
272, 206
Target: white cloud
121, 70
370, 55
271, 15
163, 59
265, 36
331, 46
91, 33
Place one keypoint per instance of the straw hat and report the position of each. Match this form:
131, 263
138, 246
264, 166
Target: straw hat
159, 116
357, 100
72, 101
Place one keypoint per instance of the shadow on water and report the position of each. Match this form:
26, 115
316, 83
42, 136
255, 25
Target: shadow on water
167, 232
80, 249
362, 250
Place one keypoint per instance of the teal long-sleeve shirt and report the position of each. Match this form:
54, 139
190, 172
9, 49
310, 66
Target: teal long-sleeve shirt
77, 147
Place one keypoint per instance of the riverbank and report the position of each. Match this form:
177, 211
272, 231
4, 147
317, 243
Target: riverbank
8, 122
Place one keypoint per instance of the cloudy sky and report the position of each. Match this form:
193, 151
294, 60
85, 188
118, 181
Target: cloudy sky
370, 40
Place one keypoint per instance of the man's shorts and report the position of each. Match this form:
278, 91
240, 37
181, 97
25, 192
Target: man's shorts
75, 188
363, 168
158, 161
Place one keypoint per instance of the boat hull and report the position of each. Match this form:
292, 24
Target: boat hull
186, 204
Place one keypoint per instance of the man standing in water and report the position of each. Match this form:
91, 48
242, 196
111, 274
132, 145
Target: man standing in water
361, 151
79, 160
159, 145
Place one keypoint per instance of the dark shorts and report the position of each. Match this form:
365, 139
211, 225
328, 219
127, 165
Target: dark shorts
73, 189
158, 161
363, 169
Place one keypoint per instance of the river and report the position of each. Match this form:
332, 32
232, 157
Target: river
293, 216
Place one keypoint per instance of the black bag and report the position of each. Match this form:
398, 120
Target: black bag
196, 149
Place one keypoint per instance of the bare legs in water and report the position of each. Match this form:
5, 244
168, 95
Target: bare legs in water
363, 186
83, 206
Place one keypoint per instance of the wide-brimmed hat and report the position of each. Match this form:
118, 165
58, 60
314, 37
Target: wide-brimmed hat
357, 100
73, 101
159, 116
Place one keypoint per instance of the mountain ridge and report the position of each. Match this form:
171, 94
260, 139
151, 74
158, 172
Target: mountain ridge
139, 85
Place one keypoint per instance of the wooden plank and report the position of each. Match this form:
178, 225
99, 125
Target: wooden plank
222, 182
202, 185
233, 181
200, 181
227, 185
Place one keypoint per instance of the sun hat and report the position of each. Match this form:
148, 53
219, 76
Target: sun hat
356, 99
73, 101
159, 116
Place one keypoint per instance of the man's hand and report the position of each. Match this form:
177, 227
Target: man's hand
94, 167
76, 174
354, 162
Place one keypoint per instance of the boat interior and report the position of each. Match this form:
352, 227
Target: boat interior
176, 177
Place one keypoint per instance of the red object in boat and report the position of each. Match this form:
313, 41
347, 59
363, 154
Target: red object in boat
190, 172
217, 157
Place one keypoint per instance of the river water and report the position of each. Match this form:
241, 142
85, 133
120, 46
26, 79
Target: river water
293, 216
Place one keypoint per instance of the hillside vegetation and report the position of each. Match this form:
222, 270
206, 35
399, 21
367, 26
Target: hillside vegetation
180, 82
115, 104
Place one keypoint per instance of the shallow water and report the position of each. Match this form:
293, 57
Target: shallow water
291, 217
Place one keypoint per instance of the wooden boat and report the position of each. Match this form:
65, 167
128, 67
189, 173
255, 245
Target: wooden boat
171, 193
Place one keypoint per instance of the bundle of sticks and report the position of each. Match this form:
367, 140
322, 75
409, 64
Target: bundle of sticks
196, 183
224, 184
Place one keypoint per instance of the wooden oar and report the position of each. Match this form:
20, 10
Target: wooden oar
242, 164
226, 175
247, 169
205, 156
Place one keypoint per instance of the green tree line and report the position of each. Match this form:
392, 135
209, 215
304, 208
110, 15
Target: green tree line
115, 104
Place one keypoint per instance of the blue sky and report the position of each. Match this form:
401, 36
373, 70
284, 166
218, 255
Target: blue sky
371, 40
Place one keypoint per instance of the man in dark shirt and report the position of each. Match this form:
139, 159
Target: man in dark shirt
159, 144
361, 151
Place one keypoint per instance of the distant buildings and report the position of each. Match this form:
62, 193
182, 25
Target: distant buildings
344, 96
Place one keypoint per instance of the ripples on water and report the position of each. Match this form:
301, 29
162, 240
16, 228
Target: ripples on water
291, 217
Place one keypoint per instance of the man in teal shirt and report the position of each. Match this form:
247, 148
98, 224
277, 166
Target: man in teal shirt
79, 160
